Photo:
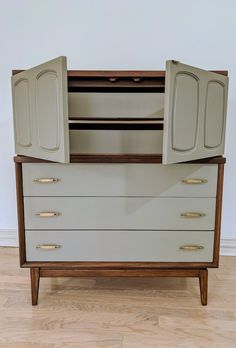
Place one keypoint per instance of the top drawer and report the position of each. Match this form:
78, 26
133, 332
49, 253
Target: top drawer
128, 180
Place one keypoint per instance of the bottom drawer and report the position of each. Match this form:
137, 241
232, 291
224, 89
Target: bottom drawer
139, 246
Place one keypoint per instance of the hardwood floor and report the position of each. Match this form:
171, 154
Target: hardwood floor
118, 312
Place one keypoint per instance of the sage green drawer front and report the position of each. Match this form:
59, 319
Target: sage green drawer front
163, 246
119, 213
150, 180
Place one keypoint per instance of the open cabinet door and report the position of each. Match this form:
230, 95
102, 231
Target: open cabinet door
40, 107
194, 114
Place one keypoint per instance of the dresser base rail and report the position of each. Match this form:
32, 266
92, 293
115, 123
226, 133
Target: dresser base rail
36, 273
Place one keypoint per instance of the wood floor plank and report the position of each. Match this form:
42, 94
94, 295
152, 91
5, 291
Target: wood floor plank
63, 336
91, 344
25, 345
187, 338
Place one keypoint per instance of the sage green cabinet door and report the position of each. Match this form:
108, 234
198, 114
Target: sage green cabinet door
40, 107
194, 113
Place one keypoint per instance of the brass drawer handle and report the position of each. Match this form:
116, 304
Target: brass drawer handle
193, 181
48, 246
191, 247
46, 180
192, 215
47, 214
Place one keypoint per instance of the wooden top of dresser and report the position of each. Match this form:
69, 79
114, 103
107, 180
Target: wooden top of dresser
117, 158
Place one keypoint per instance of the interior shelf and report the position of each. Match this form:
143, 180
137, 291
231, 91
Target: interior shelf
132, 123
114, 84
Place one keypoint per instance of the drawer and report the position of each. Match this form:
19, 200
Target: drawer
149, 180
163, 246
119, 213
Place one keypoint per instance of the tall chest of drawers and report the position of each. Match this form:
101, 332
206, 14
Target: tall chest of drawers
115, 208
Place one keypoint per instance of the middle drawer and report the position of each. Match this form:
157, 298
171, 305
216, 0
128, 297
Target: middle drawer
136, 213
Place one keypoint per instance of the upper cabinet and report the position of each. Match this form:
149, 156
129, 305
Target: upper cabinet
194, 113
40, 107
195, 103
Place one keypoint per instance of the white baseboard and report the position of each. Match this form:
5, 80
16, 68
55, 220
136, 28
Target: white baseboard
228, 247
10, 238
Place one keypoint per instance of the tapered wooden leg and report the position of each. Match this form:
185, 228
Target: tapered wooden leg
34, 276
203, 280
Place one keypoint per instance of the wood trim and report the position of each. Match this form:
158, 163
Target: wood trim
119, 158
20, 212
219, 196
35, 278
118, 73
119, 273
203, 283
117, 265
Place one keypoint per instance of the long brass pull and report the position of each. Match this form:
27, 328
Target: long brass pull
47, 214
192, 215
193, 181
191, 247
46, 180
48, 246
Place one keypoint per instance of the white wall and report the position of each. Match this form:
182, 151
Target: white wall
122, 34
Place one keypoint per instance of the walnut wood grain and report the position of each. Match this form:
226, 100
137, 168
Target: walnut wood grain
203, 283
119, 273
20, 212
34, 277
219, 197
116, 158
117, 265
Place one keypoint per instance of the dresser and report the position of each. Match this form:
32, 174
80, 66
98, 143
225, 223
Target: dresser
119, 173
